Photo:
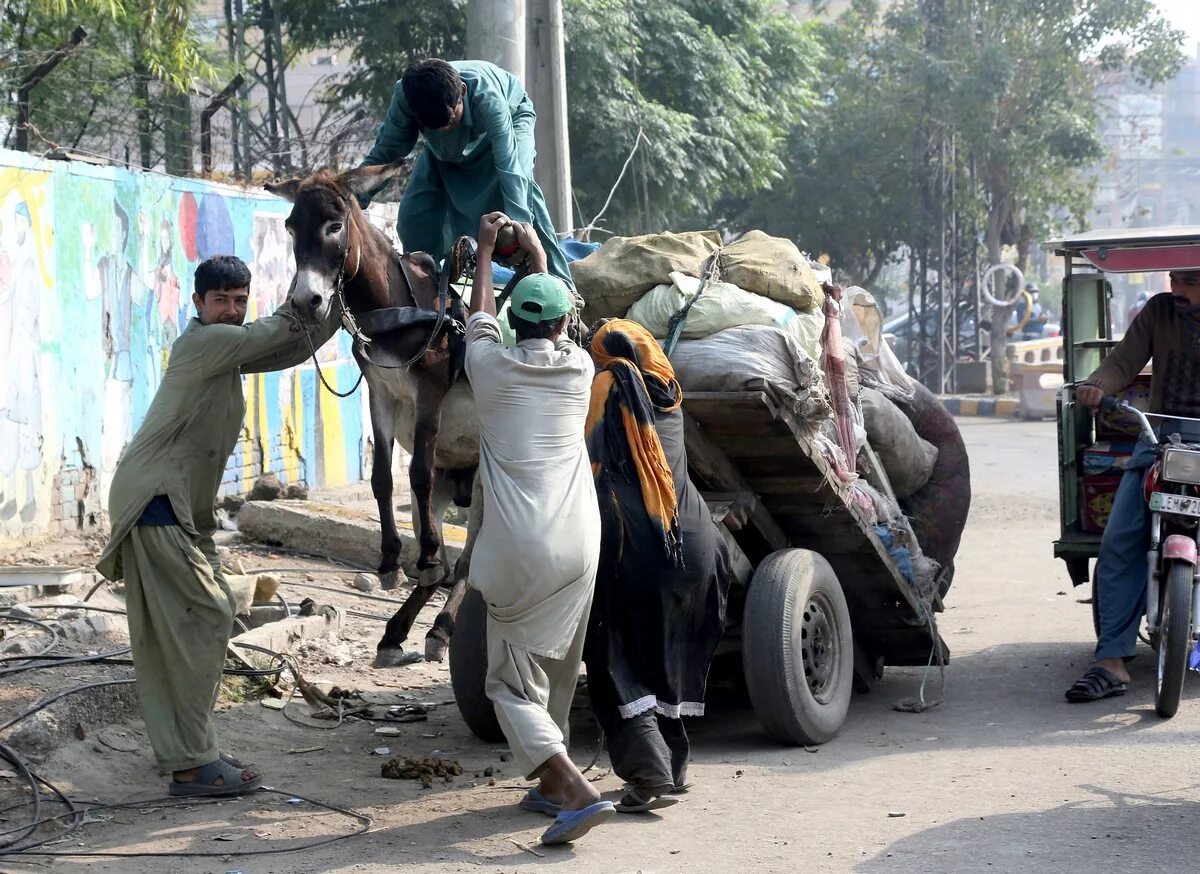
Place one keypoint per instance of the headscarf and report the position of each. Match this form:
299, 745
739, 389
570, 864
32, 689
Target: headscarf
634, 378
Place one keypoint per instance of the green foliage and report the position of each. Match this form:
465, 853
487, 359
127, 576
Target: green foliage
1012, 85
383, 36
147, 48
715, 87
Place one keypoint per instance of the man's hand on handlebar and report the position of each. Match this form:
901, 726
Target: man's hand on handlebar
1089, 396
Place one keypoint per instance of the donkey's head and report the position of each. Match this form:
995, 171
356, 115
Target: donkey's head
329, 230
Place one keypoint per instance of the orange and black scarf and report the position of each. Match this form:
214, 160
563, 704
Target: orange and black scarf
633, 379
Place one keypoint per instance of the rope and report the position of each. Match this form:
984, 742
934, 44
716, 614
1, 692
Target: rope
675, 326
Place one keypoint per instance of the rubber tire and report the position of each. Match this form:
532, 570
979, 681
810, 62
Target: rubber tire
1174, 639
468, 668
780, 590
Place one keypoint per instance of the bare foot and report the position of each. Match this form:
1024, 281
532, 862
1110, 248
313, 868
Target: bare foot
563, 784
1116, 667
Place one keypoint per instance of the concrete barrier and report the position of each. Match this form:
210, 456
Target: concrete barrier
334, 531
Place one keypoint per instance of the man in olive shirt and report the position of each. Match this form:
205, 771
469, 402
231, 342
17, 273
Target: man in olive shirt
1167, 332
161, 506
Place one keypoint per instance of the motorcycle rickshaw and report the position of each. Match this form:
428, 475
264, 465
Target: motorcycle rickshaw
1093, 448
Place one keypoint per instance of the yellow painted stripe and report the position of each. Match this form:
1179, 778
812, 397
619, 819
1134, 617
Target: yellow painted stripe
334, 441
291, 434
968, 407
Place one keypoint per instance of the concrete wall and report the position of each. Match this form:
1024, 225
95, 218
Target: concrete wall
96, 271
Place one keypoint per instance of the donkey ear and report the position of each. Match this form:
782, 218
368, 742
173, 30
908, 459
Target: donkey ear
286, 189
366, 181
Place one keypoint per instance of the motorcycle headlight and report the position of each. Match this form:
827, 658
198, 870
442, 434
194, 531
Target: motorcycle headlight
1181, 466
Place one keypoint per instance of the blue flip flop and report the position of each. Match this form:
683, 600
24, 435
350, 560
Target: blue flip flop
536, 802
571, 825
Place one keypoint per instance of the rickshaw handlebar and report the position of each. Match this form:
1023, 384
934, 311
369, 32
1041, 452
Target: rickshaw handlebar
1113, 405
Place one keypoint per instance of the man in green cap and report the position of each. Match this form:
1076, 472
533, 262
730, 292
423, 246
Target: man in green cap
538, 548
477, 123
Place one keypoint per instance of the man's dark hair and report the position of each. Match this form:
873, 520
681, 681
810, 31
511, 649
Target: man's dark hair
526, 330
221, 273
432, 88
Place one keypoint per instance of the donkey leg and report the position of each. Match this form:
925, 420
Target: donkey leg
430, 398
390, 651
383, 431
437, 639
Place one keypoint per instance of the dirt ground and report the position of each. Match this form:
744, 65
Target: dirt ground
1004, 776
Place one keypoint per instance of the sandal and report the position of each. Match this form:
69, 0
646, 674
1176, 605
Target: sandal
231, 781
636, 801
1097, 683
536, 802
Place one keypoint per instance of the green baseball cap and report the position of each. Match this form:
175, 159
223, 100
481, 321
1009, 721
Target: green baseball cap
541, 297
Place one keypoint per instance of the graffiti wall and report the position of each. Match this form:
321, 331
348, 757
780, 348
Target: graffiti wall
96, 269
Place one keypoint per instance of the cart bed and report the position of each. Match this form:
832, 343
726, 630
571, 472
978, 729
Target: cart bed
789, 492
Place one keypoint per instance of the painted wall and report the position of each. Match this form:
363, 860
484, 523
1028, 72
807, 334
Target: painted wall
96, 271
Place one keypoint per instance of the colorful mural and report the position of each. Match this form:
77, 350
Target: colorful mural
96, 271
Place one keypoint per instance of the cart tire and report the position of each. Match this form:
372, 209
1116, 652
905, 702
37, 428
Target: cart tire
468, 668
1175, 639
798, 654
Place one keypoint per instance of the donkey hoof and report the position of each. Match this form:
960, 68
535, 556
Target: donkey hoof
430, 576
435, 649
392, 579
395, 657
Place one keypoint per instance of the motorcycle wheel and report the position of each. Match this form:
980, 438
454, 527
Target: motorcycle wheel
1174, 639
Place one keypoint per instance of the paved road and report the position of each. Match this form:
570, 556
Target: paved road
1004, 776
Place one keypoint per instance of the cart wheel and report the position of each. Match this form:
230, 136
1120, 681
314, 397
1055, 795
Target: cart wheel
468, 668
799, 653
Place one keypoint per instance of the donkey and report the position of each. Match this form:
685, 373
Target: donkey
411, 356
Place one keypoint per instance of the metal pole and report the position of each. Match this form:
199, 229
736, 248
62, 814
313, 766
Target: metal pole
546, 83
40, 72
496, 33
206, 121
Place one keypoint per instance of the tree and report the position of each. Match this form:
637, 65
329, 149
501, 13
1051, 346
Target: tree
1011, 84
382, 37
714, 85
849, 177
1017, 83
129, 79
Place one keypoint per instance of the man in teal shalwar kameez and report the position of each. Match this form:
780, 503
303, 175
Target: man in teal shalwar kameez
479, 151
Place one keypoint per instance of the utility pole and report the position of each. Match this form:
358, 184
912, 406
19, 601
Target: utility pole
546, 82
496, 33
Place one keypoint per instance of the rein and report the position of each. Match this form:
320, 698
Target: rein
461, 255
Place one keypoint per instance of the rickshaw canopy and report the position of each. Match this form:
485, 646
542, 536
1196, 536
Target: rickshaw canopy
1134, 250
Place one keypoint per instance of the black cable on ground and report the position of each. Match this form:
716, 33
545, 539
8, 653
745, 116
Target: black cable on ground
44, 626
364, 824
46, 702
81, 607
11, 756
58, 661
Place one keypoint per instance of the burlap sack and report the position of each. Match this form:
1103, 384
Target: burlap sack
772, 267
613, 278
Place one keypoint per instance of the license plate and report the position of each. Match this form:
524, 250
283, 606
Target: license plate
1180, 505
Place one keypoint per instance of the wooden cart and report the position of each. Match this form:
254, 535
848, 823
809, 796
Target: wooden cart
817, 598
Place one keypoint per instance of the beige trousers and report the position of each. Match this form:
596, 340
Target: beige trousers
180, 620
532, 695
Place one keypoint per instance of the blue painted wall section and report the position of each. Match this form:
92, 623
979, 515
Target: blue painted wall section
96, 269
